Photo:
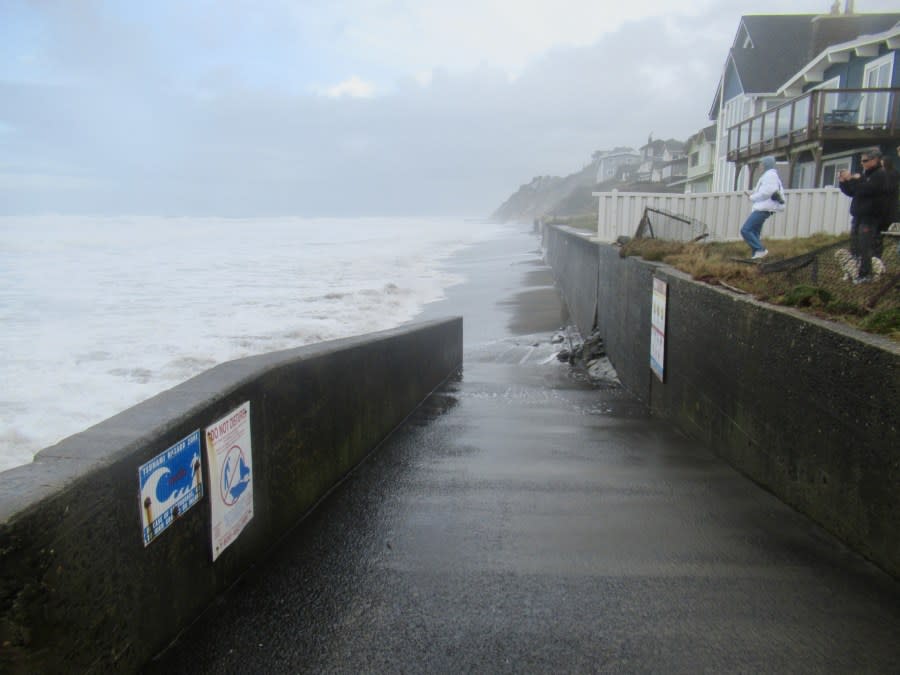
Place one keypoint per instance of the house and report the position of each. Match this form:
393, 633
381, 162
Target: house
701, 154
672, 173
655, 156
611, 163
776, 57
850, 95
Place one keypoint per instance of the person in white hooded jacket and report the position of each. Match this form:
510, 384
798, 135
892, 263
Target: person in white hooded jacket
763, 206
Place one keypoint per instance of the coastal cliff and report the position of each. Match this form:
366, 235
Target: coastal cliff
551, 196
569, 198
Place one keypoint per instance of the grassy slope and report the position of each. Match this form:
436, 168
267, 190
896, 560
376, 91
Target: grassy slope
831, 298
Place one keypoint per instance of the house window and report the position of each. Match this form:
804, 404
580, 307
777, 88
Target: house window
832, 168
877, 74
695, 158
804, 175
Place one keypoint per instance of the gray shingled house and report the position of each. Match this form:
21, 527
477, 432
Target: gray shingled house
810, 89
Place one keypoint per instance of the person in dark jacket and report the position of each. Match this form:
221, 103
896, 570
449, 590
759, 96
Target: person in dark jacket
869, 193
892, 204
893, 198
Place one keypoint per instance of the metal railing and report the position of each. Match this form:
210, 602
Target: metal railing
868, 115
660, 224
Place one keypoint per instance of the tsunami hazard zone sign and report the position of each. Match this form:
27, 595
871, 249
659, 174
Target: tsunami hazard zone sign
170, 484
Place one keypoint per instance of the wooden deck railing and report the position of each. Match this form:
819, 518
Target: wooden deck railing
866, 115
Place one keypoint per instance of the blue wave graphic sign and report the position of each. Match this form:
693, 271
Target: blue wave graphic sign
171, 483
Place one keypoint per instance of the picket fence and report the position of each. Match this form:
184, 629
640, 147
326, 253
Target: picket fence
806, 212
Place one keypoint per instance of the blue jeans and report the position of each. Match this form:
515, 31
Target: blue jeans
752, 228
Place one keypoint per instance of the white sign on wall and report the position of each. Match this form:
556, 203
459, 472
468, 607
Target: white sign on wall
658, 328
230, 476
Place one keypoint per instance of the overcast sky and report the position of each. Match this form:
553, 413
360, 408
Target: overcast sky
341, 107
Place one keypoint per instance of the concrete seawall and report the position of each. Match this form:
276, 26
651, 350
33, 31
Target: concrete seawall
81, 592
804, 407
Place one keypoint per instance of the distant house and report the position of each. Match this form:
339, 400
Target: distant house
772, 60
656, 157
674, 173
611, 164
701, 155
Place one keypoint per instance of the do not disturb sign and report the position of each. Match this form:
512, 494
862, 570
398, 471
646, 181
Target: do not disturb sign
228, 453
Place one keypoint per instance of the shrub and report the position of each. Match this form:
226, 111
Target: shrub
806, 296
844, 308
884, 322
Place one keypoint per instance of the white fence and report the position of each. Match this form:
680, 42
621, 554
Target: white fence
806, 212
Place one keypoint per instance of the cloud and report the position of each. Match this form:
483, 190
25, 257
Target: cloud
353, 87
459, 145
19, 181
212, 115
507, 34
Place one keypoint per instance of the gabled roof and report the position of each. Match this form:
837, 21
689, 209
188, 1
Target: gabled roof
618, 152
768, 49
707, 134
814, 70
780, 47
829, 30
660, 146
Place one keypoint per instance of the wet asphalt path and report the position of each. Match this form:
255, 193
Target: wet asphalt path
524, 521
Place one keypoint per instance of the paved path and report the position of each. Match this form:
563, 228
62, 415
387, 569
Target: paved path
523, 521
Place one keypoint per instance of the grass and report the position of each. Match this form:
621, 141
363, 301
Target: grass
831, 297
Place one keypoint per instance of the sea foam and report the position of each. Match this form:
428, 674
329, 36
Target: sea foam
98, 314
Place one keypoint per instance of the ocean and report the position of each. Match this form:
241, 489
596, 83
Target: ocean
98, 314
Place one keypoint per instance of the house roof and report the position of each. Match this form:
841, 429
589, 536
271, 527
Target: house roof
618, 152
707, 134
779, 46
768, 49
659, 146
829, 30
814, 70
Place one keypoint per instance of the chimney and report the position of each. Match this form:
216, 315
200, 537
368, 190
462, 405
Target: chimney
848, 7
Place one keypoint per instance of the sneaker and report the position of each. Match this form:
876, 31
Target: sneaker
759, 254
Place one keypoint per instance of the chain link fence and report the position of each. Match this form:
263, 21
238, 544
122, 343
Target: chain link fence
828, 278
824, 281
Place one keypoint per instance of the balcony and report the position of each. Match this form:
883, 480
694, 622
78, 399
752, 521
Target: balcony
839, 118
